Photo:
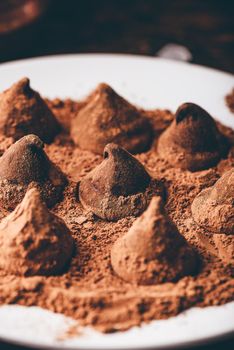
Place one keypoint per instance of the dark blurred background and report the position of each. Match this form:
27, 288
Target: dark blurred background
205, 27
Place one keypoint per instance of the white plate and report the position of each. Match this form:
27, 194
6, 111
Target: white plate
150, 83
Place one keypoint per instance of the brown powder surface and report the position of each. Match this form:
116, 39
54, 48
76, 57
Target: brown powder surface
89, 291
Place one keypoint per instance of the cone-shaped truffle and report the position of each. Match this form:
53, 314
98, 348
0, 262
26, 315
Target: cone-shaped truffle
192, 141
23, 112
153, 251
107, 118
218, 244
117, 187
34, 241
213, 208
26, 164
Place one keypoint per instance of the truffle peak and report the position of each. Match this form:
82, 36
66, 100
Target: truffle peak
192, 141
110, 118
117, 187
24, 163
213, 208
23, 111
191, 110
103, 89
21, 87
34, 241
125, 174
153, 251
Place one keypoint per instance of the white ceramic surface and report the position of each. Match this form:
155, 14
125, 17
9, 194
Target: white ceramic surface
150, 83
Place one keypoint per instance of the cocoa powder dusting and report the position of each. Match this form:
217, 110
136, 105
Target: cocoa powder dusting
89, 289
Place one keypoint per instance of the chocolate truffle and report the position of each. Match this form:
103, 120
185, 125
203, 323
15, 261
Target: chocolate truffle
192, 141
213, 208
108, 117
153, 251
116, 188
220, 245
25, 164
23, 111
34, 241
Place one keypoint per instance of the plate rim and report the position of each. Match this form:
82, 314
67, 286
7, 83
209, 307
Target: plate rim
112, 56
205, 340
178, 345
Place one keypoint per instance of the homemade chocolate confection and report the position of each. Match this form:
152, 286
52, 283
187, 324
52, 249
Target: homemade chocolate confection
23, 111
213, 208
34, 241
218, 244
181, 263
118, 187
25, 164
153, 251
192, 141
108, 117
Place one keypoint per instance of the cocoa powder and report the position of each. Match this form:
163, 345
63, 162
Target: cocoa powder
89, 290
